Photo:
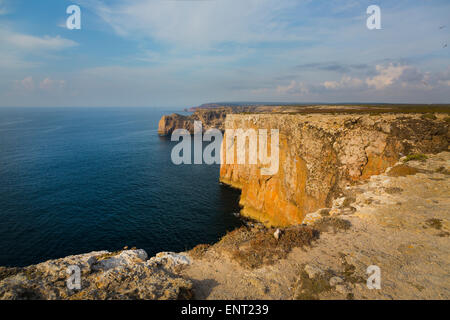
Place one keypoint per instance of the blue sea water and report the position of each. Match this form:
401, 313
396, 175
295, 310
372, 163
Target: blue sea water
75, 180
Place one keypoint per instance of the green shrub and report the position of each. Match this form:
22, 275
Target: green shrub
416, 156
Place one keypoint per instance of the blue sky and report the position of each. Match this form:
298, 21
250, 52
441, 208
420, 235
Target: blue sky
185, 52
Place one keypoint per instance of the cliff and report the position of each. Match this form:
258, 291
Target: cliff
211, 118
214, 115
321, 154
398, 221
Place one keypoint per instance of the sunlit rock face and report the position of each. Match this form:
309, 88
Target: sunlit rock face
321, 154
210, 118
121, 275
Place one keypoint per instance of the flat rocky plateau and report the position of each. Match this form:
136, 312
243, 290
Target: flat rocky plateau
398, 221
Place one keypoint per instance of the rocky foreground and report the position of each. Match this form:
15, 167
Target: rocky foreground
122, 275
398, 221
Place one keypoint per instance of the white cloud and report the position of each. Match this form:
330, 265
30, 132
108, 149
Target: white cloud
390, 81
27, 42
49, 84
21, 51
31, 87
442, 78
294, 88
386, 76
25, 84
345, 82
198, 23
407, 76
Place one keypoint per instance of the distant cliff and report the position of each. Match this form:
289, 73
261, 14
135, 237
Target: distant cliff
213, 118
323, 149
210, 118
213, 115
321, 154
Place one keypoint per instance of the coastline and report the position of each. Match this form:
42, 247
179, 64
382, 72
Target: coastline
324, 255
386, 222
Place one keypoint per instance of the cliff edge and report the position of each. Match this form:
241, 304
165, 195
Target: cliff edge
397, 221
321, 154
210, 118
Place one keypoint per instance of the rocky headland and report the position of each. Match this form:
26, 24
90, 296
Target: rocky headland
398, 221
210, 118
321, 154
354, 189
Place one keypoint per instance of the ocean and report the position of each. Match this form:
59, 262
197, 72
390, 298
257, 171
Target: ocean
76, 180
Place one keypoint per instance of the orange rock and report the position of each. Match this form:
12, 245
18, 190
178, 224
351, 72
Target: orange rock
320, 155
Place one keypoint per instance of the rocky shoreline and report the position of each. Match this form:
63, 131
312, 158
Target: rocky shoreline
365, 190
398, 220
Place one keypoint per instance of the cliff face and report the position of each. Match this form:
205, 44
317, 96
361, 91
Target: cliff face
169, 123
210, 118
320, 155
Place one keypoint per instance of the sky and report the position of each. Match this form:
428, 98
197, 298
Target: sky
166, 53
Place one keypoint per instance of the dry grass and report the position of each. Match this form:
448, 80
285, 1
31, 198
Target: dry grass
402, 170
327, 224
255, 248
393, 190
434, 223
416, 157
9, 272
306, 288
371, 109
443, 170
429, 116
199, 251
108, 255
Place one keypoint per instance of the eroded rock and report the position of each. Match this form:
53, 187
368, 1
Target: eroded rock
104, 275
322, 155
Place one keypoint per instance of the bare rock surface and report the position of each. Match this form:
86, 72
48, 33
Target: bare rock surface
210, 118
399, 223
321, 154
122, 275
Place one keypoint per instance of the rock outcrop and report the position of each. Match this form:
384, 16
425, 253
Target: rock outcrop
123, 275
321, 154
398, 221
210, 118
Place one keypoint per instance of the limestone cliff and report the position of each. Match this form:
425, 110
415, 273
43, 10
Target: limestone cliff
322, 154
398, 220
210, 118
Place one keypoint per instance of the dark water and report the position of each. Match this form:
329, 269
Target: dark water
75, 180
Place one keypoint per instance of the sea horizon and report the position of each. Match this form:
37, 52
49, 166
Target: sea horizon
77, 180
